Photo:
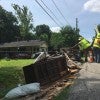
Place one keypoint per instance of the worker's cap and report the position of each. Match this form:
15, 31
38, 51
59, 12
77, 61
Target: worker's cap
80, 38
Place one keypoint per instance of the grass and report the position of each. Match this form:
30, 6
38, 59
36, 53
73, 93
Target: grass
11, 74
63, 95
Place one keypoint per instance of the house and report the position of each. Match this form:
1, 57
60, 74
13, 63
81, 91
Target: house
22, 47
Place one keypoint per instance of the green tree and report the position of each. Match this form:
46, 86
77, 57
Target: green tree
57, 41
71, 36
25, 21
43, 32
9, 29
42, 29
98, 26
44, 37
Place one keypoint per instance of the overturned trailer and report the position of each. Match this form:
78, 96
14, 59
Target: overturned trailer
46, 70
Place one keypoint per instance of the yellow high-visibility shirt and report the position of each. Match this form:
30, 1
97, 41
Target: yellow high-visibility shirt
96, 43
98, 35
84, 44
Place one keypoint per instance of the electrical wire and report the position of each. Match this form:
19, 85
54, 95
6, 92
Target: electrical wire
47, 13
60, 12
52, 12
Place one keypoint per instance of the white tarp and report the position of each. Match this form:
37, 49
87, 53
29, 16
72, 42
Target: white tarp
23, 90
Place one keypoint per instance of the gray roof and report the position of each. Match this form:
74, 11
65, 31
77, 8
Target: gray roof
22, 44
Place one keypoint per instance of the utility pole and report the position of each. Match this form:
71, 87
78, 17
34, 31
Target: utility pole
77, 29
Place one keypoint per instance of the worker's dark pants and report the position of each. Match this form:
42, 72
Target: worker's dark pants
96, 52
85, 53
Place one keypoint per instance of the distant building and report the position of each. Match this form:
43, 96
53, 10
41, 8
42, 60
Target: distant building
23, 47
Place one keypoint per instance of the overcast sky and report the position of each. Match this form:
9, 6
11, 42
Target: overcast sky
87, 12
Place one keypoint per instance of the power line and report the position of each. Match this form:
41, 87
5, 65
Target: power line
47, 12
60, 12
51, 12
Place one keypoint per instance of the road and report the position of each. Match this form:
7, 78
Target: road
87, 86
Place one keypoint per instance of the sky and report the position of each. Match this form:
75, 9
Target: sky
87, 12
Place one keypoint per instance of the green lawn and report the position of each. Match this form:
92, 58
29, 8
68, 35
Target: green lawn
11, 74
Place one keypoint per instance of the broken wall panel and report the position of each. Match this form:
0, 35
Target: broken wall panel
46, 71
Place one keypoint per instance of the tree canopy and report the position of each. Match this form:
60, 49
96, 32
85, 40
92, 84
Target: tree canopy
9, 29
42, 29
98, 26
22, 27
43, 32
25, 21
70, 34
57, 41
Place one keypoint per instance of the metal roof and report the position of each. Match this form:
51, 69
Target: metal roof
22, 44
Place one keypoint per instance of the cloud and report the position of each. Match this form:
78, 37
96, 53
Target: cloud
92, 5
55, 29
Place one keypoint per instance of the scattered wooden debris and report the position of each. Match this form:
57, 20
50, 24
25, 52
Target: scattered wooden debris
53, 89
70, 63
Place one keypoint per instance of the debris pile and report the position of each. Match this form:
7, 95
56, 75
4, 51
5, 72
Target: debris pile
55, 86
54, 73
48, 92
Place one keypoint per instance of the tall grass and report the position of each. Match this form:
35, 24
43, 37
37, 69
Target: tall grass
11, 74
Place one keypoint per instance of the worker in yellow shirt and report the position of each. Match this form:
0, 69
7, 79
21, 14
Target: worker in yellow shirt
84, 46
96, 45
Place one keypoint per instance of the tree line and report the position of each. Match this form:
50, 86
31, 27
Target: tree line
20, 27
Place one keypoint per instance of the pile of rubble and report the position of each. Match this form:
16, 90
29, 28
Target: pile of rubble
65, 69
49, 91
